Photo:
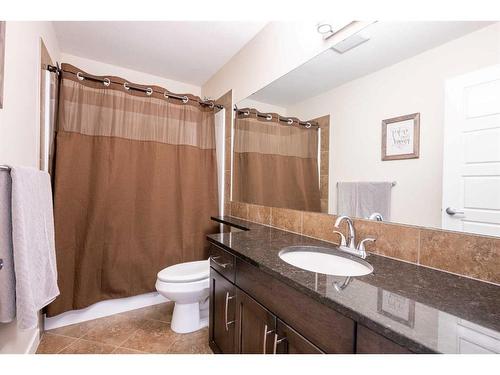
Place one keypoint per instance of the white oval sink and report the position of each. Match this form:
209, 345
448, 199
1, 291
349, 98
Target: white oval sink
324, 260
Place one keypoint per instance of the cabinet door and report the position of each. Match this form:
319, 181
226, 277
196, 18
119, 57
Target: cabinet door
369, 342
288, 341
255, 326
222, 313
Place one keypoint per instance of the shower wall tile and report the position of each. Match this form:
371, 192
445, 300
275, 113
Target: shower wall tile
227, 101
323, 187
464, 254
324, 163
239, 210
324, 205
227, 156
286, 219
259, 214
325, 137
401, 242
319, 226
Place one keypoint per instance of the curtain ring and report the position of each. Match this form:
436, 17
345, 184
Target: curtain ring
79, 76
246, 113
185, 99
106, 82
126, 86
149, 91
308, 125
211, 105
269, 117
289, 121
165, 94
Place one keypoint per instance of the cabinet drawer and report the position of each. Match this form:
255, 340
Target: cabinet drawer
222, 261
327, 329
369, 342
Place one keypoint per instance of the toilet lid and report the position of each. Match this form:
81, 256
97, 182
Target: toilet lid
183, 272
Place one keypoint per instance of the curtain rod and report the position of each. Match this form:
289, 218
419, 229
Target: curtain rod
269, 117
149, 91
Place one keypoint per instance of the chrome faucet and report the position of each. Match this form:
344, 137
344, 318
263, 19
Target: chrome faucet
349, 245
350, 242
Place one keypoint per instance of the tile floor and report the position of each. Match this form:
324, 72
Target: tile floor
141, 331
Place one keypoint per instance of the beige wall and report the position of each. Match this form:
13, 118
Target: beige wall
100, 68
276, 50
20, 125
262, 107
413, 85
20, 117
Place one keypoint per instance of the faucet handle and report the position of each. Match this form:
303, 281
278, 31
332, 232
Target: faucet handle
342, 238
361, 245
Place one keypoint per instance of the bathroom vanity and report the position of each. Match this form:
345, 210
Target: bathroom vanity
261, 304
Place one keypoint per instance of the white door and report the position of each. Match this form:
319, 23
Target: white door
471, 171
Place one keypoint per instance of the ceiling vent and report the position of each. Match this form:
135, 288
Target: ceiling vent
350, 43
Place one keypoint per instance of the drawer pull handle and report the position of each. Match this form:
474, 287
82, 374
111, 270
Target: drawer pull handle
228, 297
223, 265
277, 341
264, 341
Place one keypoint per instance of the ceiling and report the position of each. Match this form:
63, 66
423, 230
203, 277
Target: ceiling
189, 52
390, 42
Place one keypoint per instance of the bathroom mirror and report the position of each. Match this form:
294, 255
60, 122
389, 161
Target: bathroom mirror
399, 122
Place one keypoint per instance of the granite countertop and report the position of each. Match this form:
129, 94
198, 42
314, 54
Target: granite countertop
426, 310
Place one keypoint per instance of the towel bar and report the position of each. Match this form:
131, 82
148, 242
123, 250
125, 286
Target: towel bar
393, 183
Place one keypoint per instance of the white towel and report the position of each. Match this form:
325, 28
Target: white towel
33, 244
7, 279
361, 199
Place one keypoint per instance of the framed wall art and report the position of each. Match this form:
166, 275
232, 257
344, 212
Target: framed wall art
401, 137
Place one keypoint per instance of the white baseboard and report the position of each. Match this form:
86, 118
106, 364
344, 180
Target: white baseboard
104, 308
35, 341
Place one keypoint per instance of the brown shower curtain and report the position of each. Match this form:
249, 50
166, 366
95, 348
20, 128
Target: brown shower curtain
275, 164
135, 186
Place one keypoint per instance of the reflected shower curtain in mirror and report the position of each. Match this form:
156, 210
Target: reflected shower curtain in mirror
135, 186
275, 164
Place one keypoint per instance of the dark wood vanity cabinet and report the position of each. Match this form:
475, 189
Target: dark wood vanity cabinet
222, 316
255, 326
252, 312
289, 341
369, 342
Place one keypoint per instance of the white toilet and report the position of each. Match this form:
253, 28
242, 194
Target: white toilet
186, 284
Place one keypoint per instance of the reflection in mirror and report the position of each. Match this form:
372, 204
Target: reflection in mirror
413, 129
276, 161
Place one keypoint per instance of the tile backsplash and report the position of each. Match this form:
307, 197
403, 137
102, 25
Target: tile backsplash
460, 253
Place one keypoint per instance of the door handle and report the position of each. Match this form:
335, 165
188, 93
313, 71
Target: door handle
451, 211
226, 323
277, 341
264, 341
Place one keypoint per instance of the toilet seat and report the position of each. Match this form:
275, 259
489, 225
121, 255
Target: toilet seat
185, 272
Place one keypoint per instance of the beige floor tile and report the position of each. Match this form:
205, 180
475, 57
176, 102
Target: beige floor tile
88, 347
126, 351
52, 344
192, 343
76, 330
114, 330
152, 337
161, 312
145, 330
